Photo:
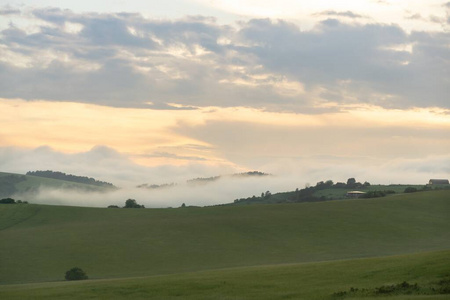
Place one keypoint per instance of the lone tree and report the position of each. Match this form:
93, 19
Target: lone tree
131, 203
76, 274
351, 182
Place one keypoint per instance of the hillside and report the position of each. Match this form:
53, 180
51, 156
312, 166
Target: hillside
323, 280
16, 184
71, 178
325, 191
39, 243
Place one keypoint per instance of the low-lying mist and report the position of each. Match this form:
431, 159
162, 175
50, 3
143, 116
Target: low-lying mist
221, 191
106, 164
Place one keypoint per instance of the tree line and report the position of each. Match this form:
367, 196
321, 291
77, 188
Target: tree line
70, 177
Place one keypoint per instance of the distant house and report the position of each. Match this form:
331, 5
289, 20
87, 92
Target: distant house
438, 181
354, 194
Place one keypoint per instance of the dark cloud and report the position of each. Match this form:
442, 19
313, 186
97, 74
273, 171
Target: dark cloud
8, 10
333, 13
174, 156
414, 17
53, 15
127, 60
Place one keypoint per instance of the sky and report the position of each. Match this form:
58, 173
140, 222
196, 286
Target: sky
136, 92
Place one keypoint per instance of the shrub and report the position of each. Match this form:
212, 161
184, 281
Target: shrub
410, 190
131, 203
8, 201
76, 274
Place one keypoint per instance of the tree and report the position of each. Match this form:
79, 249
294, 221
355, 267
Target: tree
410, 189
76, 274
131, 203
8, 201
351, 182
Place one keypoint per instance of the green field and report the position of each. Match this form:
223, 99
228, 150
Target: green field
296, 281
39, 243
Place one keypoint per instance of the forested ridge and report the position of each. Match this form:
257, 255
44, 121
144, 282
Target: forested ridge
70, 177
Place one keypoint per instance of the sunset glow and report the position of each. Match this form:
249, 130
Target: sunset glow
224, 86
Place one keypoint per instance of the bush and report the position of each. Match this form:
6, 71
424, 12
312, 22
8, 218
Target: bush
410, 189
131, 203
8, 201
76, 274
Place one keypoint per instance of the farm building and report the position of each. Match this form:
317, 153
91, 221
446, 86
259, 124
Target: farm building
354, 194
438, 181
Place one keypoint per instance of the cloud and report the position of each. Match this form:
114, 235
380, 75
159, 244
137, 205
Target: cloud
174, 156
258, 145
106, 164
8, 10
126, 60
224, 190
289, 173
333, 13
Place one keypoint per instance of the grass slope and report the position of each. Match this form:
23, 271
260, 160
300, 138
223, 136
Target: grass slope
32, 184
297, 281
39, 243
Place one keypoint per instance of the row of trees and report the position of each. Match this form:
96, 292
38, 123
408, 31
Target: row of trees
351, 184
130, 203
70, 177
303, 195
12, 201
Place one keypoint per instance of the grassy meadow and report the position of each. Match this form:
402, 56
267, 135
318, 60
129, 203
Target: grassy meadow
259, 251
320, 280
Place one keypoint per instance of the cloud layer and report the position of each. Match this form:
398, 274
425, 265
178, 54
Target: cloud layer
106, 164
127, 60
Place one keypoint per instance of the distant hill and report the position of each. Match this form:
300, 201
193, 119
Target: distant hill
328, 190
204, 180
156, 186
201, 180
17, 184
70, 177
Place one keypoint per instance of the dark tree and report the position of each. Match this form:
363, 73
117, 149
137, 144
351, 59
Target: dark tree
8, 201
410, 189
76, 274
351, 182
113, 206
70, 177
131, 203
340, 185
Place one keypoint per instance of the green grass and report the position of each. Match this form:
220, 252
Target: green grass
296, 281
39, 243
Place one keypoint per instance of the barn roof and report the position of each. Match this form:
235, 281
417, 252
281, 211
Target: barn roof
438, 181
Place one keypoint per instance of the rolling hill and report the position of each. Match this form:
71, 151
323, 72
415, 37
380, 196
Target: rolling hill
39, 242
17, 184
345, 279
